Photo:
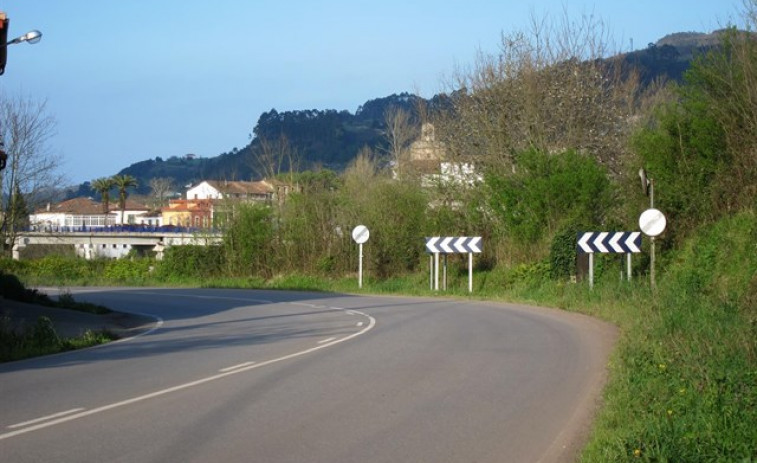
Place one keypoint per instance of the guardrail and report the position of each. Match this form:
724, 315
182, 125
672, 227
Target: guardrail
118, 229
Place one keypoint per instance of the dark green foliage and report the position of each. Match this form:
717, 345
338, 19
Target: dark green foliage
190, 261
397, 220
43, 334
128, 270
684, 152
547, 191
11, 287
248, 241
562, 252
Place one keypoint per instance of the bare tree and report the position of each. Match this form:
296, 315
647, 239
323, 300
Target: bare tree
400, 131
160, 187
25, 129
553, 88
272, 157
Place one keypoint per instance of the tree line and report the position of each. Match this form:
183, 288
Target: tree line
557, 132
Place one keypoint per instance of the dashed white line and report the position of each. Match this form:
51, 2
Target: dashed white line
236, 367
45, 418
324, 341
37, 425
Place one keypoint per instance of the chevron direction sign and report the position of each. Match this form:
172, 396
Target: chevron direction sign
609, 242
453, 244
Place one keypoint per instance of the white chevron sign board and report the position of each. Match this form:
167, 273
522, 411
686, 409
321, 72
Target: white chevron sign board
437, 245
608, 242
453, 244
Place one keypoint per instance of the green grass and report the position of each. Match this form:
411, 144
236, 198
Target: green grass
42, 339
683, 376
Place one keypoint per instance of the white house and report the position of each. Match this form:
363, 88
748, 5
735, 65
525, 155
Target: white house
74, 213
84, 213
133, 212
223, 189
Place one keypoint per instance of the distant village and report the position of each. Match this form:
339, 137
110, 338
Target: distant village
204, 204
198, 209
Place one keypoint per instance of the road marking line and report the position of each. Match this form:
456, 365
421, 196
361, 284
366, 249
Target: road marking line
360, 324
324, 341
235, 367
94, 411
45, 418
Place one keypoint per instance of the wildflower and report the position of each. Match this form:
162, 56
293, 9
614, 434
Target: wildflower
637, 453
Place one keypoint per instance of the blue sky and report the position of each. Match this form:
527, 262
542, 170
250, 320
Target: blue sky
129, 81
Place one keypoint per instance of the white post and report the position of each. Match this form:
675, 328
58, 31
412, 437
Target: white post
628, 261
431, 272
436, 271
651, 265
444, 274
470, 272
591, 270
360, 267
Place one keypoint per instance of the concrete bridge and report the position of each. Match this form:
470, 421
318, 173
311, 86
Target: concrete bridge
114, 244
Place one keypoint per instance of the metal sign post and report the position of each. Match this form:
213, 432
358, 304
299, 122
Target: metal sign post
452, 245
608, 242
652, 222
360, 234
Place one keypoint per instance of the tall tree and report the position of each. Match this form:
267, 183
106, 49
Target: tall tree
552, 88
399, 132
160, 187
123, 183
103, 185
25, 129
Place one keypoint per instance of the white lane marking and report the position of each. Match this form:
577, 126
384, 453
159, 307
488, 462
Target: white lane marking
235, 367
324, 341
359, 324
83, 414
45, 418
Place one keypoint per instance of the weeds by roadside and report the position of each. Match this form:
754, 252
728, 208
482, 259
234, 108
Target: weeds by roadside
42, 339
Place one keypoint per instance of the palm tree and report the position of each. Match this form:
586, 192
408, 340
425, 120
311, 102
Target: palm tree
103, 185
123, 182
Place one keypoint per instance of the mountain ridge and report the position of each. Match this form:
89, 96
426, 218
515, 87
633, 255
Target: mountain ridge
330, 138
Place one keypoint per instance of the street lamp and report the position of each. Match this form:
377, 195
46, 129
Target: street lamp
30, 37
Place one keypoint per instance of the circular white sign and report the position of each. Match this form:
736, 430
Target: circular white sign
652, 222
360, 234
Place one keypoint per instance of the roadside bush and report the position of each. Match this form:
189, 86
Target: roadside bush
547, 191
189, 261
60, 268
11, 287
125, 270
247, 243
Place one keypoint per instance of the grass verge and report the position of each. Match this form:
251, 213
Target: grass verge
42, 339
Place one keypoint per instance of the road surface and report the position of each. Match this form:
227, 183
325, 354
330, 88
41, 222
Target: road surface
265, 376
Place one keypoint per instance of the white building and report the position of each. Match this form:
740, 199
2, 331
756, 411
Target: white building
85, 213
222, 189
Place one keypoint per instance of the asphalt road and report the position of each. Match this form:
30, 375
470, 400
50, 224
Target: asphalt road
263, 376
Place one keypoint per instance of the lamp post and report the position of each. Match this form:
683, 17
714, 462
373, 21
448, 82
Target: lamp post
31, 37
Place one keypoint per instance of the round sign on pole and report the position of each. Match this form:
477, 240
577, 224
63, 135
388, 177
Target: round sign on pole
652, 222
360, 234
